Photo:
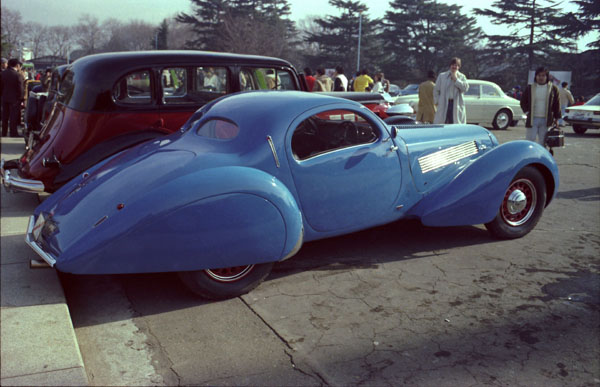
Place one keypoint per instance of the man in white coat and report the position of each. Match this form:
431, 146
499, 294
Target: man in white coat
448, 95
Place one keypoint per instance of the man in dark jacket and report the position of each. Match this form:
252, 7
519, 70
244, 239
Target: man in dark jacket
540, 102
12, 90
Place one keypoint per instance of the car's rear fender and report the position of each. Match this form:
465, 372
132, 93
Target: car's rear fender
221, 217
475, 194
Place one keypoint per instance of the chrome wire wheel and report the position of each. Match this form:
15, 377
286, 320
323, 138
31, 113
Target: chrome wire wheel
229, 274
519, 202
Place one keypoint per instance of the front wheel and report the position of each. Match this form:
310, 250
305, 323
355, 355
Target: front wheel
579, 129
522, 205
502, 119
219, 284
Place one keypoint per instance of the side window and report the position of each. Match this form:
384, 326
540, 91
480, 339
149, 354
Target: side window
329, 131
133, 88
66, 88
266, 79
473, 90
489, 91
193, 85
219, 129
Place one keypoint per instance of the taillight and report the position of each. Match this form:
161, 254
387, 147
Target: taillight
567, 110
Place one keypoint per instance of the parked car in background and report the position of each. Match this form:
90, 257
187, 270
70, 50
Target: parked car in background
394, 90
410, 89
252, 176
108, 102
486, 104
379, 103
584, 117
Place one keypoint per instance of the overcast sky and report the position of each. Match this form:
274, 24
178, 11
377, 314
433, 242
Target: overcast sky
66, 12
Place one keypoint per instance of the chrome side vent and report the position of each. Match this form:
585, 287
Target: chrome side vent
447, 156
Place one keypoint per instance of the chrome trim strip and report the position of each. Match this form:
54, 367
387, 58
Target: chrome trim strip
447, 156
270, 140
33, 244
19, 184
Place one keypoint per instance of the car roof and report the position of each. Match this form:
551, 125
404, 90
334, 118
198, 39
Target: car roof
95, 75
272, 111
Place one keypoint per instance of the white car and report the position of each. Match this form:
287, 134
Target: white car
486, 105
584, 117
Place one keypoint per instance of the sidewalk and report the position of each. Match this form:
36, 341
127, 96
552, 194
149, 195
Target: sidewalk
38, 342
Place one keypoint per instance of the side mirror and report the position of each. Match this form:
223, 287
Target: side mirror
393, 132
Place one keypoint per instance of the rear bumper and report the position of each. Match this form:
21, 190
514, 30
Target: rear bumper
12, 182
583, 123
30, 239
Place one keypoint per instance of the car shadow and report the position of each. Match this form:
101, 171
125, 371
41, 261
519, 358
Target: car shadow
155, 293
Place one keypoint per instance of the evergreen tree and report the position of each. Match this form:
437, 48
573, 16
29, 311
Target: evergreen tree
248, 26
532, 35
582, 22
161, 36
337, 39
423, 35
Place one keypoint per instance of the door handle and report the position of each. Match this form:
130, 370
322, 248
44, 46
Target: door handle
393, 148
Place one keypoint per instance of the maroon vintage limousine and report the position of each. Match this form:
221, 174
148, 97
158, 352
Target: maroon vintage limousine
109, 102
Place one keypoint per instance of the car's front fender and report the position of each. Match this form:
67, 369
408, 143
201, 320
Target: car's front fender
476, 193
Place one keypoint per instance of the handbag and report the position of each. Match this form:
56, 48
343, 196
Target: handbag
555, 137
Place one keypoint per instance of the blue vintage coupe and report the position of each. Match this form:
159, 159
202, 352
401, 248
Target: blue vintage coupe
252, 176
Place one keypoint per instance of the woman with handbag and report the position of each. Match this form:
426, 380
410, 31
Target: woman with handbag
540, 102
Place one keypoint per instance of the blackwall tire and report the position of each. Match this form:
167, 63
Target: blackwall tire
579, 129
522, 206
219, 284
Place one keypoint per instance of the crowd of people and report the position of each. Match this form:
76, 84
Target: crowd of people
12, 92
361, 81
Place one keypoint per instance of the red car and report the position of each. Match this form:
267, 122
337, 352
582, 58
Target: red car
109, 102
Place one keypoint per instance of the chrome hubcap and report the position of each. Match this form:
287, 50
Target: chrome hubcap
502, 119
516, 202
229, 274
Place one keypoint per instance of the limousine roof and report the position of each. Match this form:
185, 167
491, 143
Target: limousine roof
93, 76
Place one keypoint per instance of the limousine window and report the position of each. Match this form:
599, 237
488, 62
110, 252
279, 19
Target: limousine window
266, 79
134, 88
195, 85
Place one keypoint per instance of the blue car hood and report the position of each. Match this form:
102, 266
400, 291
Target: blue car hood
438, 153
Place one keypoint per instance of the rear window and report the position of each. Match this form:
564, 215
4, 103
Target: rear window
134, 88
219, 129
66, 88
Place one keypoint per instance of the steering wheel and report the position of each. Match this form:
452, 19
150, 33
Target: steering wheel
350, 133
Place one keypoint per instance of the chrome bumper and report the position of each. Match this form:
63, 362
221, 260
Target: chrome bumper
15, 183
31, 241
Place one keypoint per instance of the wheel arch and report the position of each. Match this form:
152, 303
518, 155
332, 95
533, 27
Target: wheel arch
548, 179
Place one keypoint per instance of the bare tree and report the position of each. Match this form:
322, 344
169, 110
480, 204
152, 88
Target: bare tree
179, 33
90, 34
36, 37
60, 40
12, 32
132, 36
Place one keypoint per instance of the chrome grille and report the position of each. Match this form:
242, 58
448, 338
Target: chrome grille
447, 156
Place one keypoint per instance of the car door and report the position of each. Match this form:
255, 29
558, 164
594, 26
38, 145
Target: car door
345, 167
491, 98
473, 104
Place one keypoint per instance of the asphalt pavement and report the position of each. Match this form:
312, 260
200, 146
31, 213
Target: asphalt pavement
398, 304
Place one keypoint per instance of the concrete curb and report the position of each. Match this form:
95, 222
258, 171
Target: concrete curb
38, 342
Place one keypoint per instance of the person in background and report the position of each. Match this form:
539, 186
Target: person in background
340, 82
12, 90
448, 95
579, 101
46, 79
310, 80
566, 99
322, 81
377, 85
363, 81
384, 82
3, 66
426, 107
540, 102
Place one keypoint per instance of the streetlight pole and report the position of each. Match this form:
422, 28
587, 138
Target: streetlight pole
359, 35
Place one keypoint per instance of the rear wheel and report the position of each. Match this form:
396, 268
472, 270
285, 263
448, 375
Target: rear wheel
218, 284
579, 129
522, 205
502, 119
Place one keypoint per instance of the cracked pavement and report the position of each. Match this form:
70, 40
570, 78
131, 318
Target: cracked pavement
397, 304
